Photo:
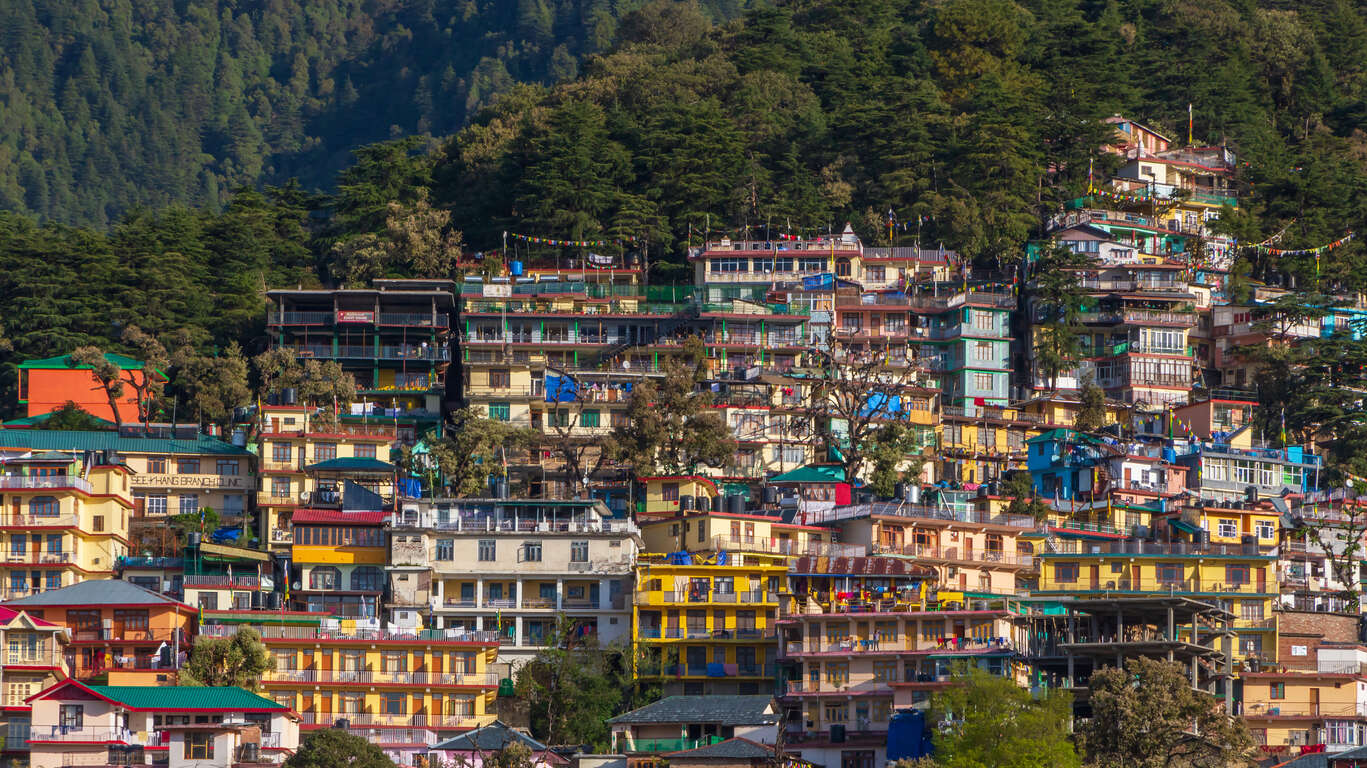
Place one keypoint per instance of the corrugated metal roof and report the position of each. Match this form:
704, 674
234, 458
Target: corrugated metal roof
61, 440
97, 592
64, 361
352, 464
372, 517
812, 473
492, 737
186, 697
723, 710
735, 748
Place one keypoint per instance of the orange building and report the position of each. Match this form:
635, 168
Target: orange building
48, 384
121, 634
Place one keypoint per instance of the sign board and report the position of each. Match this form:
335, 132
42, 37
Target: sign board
599, 260
498, 289
355, 316
207, 482
1300, 650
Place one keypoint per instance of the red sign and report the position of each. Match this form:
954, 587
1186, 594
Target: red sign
353, 316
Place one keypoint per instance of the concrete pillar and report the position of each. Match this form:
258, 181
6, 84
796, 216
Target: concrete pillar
559, 594
518, 640
517, 597
479, 592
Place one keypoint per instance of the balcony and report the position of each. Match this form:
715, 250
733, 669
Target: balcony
281, 536
299, 318
273, 632
368, 719
35, 558
225, 581
788, 547
117, 634
960, 555
632, 746
15, 482
1155, 586
80, 733
368, 677
413, 319
922, 512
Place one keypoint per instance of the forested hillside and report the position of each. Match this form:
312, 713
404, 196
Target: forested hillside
107, 106
974, 117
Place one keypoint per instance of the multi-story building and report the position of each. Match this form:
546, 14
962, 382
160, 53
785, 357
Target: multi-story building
65, 520
34, 659
338, 561
1238, 578
705, 624
402, 690
309, 460
393, 338
1240, 470
1325, 705
120, 632
176, 726
518, 568
854, 668
972, 551
179, 471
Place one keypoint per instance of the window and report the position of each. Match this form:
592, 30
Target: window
280, 487
1343, 732
531, 551
324, 451
71, 717
982, 351
367, 578
325, 578
500, 379
488, 550
885, 671
280, 452
982, 382
54, 543
1236, 575
199, 745
1169, 573
1226, 528
156, 465
189, 503
208, 601
579, 552
156, 505
669, 491
731, 265
500, 412
837, 712
228, 466
53, 580
838, 673
187, 466
44, 506
877, 274
1265, 529
446, 549
1251, 610
393, 704
982, 320
808, 264
588, 419
364, 451
1065, 573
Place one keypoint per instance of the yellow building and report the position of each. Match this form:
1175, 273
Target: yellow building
757, 535
65, 520
670, 494
1242, 581
403, 689
307, 457
33, 661
1326, 704
706, 624
338, 562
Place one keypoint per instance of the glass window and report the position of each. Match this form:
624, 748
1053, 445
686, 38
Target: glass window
324, 451
367, 578
1169, 573
71, 717
44, 506
189, 504
669, 491
54, 543
187, 466
488, 550
324, 578
228, 466
233, 504
446, 549
156, 505
1227, 528
531, 551
53, 580
1065, 573
579, 551
199, 746
1236, 575
500, 411
364, 451
280, 452
588, 419
156, 465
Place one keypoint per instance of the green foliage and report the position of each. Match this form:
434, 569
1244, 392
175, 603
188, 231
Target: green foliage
1148, 716
1024, 500
239, 661
572, 687
336, 747
1056, 298
1091, 411
994, 722
472, 448
671, 428
71, 417
890, 454
203, 522
211, 386
514, 755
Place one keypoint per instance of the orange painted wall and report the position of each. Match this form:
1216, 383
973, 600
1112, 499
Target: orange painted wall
49, 390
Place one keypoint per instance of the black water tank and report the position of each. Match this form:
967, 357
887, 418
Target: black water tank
342, 723
717, 502
1251, 494
289, 396
770, 496
735, 504
837, 733
685, 503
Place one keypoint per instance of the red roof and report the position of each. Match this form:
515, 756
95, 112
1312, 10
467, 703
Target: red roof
9, 614
336, 516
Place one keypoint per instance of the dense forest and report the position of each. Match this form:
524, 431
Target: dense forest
108, 106
974, 118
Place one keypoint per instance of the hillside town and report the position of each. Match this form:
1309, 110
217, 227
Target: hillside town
801, 494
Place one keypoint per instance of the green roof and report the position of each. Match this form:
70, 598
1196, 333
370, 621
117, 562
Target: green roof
185, 697
352, 464
1064, 435
64, 361
812, 473
33, 421
61, 440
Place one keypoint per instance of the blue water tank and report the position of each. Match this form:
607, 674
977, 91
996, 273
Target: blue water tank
907, 735
515, 268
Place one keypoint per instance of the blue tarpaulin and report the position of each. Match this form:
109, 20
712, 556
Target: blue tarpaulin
881, 406
561, 389
823, 281
410, 487
907, 737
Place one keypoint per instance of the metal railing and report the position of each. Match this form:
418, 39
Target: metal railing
961, 554
925, 512
367, 676
47, 481
784, 546
224, 580
272, 632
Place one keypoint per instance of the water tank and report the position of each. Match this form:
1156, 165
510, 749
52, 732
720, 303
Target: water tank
342, 723
1251, 494
837, 733
899, 490
251, 752
192, 539
240, 438
289, 396
770, 496
735, 504
913, 494
515, 268
716, 504
685, 503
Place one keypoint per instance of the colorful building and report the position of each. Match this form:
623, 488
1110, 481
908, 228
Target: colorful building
34, 658
338, 561
47, 385
402, 690
176, 726
120, 632
66, 519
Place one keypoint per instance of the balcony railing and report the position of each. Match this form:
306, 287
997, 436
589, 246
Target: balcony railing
369, 677
366, 719
123, 634
950, 514
1156, 586
226, 581
272, 632
80, 733
663, 745
959, 554
47, 521
16, 482
784, 546
29, 557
